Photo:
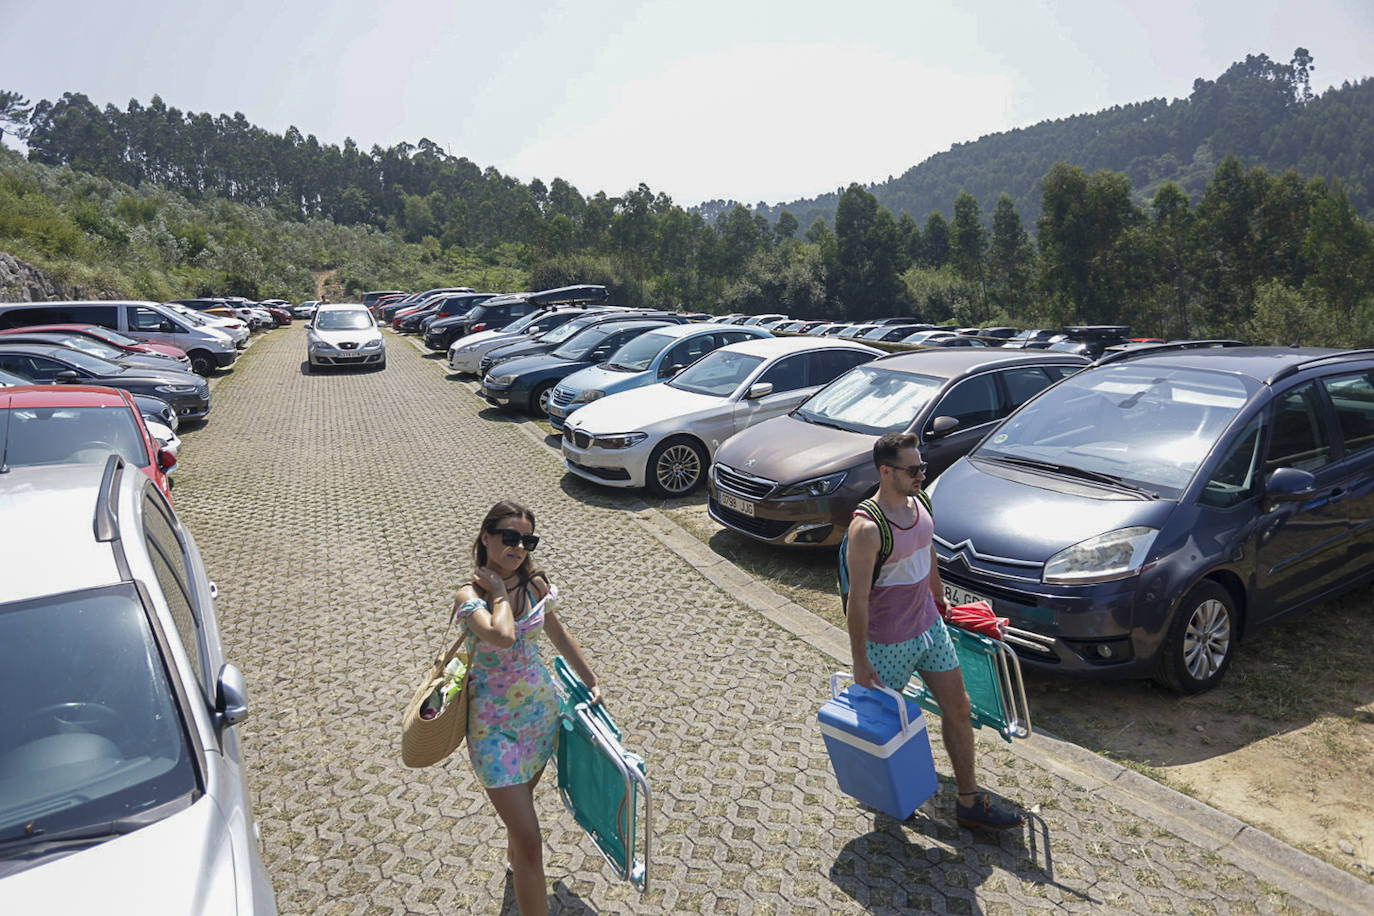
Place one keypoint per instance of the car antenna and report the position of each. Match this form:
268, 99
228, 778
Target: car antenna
5, 448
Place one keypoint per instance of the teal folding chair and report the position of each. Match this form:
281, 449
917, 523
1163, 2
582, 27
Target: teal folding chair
602, 785
992, 677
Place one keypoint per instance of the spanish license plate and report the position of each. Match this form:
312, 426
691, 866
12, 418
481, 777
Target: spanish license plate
957, 596
742, 506
556, 412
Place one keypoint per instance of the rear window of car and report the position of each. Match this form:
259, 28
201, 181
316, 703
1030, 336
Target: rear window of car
90, 730
71, 435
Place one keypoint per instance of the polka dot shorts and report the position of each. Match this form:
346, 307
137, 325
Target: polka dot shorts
895, 662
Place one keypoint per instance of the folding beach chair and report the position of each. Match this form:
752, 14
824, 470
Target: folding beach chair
992, 677
603, 786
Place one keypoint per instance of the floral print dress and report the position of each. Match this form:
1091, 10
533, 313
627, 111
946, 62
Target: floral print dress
513, 717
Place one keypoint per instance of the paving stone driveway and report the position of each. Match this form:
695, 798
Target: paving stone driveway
336, 514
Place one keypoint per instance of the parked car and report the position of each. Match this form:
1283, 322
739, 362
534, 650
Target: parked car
371, 298
188, 394
95, 347
499, 312
796, 479
235, 328
79, 424
891, 333
997, 337
1089, 340
527, 382
663, 436
344, 334
388, 310
465, 354
1183, 499
1033, 339
447, 323
207, 348
305, 309
121, 342
760, 319
647, 359
558, 336
124, 783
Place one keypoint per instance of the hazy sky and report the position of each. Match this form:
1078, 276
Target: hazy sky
742, 99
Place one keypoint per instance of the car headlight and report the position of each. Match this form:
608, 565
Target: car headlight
176, 389
586, 397
619, 440
1104, 558
372, 344
816, 486
503, 381
320, 345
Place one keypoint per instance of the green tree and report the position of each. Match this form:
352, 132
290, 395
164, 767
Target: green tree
869, 251
935, 243
786, 226
1083, 268
1010, 260
968, 242
14, 111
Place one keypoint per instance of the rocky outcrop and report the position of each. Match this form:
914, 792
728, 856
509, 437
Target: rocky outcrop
21, 282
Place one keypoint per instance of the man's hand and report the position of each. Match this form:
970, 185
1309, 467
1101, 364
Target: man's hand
865, 675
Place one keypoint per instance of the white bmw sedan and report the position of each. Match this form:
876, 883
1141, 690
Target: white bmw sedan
663, 436
344, 334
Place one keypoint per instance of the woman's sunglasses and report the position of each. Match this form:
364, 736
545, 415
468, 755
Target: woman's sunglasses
510, 537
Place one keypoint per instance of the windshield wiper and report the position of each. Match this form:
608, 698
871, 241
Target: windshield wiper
1069, 470
811, 418
35, 839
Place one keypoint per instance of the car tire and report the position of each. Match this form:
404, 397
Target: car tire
1201, 641
676, 467
202, 363
539, 399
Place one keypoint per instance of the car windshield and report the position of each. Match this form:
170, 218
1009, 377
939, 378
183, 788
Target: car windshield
115, 337
1147, 425
344, 320
871, 400
93, 347
90, 731
636, 355
565, 331
577, 347
71, 435
519, 325
90, 363
718, 373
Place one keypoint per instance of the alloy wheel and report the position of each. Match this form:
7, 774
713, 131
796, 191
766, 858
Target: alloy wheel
1207, 639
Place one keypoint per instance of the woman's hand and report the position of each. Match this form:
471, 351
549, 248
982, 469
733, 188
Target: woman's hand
595, 691
489, 581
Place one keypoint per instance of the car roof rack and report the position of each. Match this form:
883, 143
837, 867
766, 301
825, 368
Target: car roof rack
1293, 369
1172, 346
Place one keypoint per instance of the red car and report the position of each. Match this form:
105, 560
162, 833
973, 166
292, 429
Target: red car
113, 338
79, 424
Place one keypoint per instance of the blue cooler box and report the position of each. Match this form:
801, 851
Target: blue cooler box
880, 750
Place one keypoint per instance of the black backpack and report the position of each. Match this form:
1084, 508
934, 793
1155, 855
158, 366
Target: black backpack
871, 508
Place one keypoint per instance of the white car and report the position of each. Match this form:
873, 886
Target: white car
235, 331
663, 436
344, 334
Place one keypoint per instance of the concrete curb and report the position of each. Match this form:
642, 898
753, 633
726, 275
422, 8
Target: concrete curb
1268, 858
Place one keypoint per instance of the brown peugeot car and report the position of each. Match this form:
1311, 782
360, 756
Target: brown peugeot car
796, 479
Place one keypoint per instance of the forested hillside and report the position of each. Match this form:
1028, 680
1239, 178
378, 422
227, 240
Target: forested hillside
1260, 111
147, 201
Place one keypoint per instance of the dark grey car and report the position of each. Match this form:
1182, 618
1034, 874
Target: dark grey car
1144, 516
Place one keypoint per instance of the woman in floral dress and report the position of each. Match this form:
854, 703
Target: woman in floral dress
513, 719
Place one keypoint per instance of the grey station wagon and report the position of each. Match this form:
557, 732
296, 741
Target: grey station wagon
1144, 516
121, 785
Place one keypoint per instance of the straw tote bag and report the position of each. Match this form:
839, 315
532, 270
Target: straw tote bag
425, 742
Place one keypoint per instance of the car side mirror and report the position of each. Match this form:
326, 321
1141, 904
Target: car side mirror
1290, 484
165, 459
941, 427
231, 700
670, 371
758, 390
67, 375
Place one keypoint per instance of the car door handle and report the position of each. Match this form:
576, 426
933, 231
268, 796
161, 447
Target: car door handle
1337, 494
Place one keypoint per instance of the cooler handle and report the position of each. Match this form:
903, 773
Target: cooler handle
901, 701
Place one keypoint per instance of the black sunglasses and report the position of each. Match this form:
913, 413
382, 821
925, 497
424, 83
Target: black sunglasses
510, 537
913, 470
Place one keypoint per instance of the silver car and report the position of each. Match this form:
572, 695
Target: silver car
122, 788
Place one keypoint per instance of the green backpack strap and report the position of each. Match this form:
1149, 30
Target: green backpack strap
874, 511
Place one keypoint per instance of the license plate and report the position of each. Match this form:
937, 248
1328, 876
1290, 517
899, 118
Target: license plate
556, 412
957, 596
742, 506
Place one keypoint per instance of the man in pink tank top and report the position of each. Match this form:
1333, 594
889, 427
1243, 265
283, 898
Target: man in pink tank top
895, 623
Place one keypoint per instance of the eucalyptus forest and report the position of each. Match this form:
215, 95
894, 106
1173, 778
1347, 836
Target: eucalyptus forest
1241, 211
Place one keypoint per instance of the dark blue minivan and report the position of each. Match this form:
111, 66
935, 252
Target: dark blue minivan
1143, 516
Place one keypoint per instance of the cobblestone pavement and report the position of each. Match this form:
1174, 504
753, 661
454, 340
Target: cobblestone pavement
336, 513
